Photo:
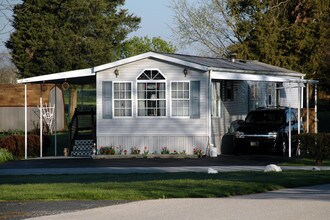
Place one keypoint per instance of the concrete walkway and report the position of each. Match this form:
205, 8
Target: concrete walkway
298, 203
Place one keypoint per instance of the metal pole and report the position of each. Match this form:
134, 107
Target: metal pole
299, 108
290, 125
25, 121
316, 122
55, 121
40, 120
307, 108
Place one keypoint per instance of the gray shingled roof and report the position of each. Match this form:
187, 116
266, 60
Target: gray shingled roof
249, 65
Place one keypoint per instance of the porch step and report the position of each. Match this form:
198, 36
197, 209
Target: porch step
83, 148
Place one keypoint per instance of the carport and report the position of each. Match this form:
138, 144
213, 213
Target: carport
289, 82
76, 77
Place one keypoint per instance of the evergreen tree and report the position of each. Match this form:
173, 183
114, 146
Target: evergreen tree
290, 34
60, 35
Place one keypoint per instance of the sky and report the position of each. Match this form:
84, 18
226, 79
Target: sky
156, 19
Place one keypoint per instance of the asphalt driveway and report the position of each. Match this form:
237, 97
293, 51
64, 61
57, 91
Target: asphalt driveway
67, 165
70, 162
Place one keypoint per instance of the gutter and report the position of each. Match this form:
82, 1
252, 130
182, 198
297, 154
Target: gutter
296, 74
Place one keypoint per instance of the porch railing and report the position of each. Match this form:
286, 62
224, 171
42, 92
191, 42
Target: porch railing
82, 126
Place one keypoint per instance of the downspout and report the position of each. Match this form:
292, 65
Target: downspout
209, 116
25, 120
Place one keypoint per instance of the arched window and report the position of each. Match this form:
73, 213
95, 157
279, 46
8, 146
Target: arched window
151, 94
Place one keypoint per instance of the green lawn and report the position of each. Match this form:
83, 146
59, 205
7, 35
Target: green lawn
151, 186
304, 162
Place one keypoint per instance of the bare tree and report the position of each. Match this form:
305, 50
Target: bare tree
8, 71
214, 25
6, 8
205, 24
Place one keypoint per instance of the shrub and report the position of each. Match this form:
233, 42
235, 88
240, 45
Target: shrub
135, 150
165, 150
315, 146
5, 155
120, 150
15, 145
108, 150
145, 151
198, 151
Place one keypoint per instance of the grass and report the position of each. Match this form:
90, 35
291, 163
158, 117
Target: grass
151, 186
304, 162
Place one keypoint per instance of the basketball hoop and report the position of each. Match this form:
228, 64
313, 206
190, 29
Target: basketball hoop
48, 115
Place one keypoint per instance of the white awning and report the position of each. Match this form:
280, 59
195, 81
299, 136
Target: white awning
82, 76
251, 77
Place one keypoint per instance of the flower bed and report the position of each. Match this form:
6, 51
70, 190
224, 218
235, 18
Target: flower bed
135, 152
164, 156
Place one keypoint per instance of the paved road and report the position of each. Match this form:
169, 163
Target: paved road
299, 203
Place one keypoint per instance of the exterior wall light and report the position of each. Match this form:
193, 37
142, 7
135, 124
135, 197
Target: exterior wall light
185, 72
116, 72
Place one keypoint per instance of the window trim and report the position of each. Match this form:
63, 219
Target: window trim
113, 99
150, 81
150, 69
189, 99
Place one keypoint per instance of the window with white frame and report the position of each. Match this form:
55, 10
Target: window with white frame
180, 96
122, 99
151, 94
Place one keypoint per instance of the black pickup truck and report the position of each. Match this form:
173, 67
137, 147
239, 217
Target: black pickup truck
267, 130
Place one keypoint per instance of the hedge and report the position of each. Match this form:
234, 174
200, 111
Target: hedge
315, 146
15, 145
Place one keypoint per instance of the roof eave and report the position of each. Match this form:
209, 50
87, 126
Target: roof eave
147, 55
58, 76
293, 74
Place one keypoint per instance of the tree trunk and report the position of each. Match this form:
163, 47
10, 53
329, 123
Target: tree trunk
73, 101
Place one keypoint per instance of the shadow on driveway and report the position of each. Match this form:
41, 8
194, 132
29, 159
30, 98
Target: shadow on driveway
69, 162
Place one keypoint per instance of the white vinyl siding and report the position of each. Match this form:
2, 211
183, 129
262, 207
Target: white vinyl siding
122, 96
180, 98
179, 132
